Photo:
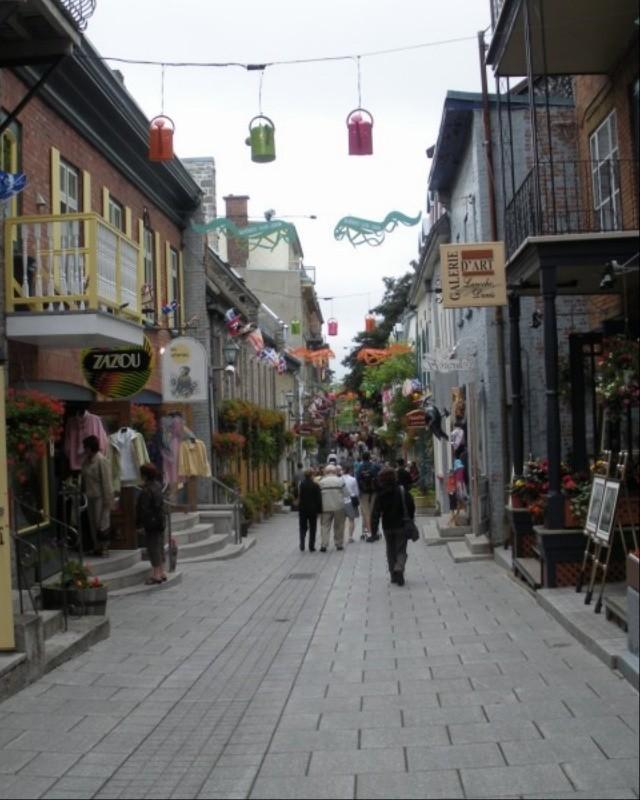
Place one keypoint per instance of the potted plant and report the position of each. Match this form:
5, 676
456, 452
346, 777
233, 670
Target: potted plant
85, 592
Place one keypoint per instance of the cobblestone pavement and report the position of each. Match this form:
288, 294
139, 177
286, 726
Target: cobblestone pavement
288, 674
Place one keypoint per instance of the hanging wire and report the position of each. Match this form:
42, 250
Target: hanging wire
260, 90
359, 82
162, 90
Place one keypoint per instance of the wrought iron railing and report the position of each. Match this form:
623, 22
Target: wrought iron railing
221, 490
79, 11
71, 262
573, 197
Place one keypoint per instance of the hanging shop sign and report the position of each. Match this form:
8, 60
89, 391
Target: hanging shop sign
473, 275
119, 372
184, 371
436, 363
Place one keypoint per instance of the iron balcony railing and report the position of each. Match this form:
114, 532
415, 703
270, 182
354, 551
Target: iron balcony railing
568, 197
496, 8
71, 262
79, 11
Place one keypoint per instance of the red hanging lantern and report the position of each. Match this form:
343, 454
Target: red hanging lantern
161, 131
332, 326
360, 132
369, 323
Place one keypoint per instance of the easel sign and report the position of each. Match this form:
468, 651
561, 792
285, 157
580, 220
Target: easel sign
595, 504
608, 512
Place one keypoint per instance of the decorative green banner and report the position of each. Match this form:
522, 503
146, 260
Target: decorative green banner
259, 234
366, 231
118, 373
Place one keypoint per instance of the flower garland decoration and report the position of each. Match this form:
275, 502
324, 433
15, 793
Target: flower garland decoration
617, 378
33, 418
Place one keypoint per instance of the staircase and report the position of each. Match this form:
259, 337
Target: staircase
438, 531
461, 543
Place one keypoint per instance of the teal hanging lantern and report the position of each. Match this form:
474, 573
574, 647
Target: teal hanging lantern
262, 139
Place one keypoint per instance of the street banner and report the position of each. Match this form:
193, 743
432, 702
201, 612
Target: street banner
184, 371
473, 275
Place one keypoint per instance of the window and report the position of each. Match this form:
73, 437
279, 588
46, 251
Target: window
116, 214
173, 286
604, 171
69, 203
149, 266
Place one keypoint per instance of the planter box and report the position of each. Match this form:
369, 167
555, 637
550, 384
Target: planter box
80, 602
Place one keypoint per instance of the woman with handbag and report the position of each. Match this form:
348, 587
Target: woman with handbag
395, 507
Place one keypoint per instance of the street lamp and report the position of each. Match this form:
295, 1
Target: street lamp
230, 354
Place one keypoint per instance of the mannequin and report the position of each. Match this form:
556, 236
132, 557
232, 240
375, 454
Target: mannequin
127, 453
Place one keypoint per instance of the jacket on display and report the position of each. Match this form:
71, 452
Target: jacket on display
193, 461
76, 430
127, 453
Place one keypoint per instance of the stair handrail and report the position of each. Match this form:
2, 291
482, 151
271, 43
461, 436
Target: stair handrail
20, 542
237, 505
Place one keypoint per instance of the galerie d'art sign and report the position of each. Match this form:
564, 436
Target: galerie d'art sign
184, 371
473, 275
120, 372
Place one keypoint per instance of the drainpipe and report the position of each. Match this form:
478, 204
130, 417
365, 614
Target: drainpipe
499, 317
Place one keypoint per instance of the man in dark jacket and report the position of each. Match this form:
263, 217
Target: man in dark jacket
309, 506
388, 506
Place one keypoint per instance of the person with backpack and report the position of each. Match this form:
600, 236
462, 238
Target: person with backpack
392, 506
150, 516
366, 476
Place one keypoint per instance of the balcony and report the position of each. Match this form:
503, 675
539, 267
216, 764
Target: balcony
76, 281
33, 31
567, 38
573, 197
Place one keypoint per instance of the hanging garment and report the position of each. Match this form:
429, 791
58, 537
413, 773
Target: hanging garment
78, 428
457, 438
193, 461
127, 453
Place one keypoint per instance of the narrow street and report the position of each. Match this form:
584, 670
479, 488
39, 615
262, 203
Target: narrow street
288, 674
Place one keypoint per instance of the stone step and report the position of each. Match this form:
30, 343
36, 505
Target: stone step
116, 560
126, 577
82, 632
460, 553
52, 623
216, 507
221, 520
431, 536
213, 543
229, 551
191, 535
451, 531
173, 579
184, 520
478, 544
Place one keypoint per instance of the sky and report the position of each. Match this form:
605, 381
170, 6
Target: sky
308, 103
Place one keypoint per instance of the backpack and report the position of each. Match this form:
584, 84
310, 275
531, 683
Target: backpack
366, 480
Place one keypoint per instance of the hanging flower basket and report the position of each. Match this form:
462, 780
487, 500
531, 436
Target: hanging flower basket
617, 378
33, 418
228, 444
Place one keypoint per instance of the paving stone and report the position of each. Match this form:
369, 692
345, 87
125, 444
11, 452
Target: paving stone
503, 731
306, 741
403, 737
454, 757
331, 787
350, 762
49, 765
414, 786
279, 764
355, 720
499, 781
551, 751
593, 775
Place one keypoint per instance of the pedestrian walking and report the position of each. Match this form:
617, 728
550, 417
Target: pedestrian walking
150, 516
309, 506
297, 477
402, 474
98, 487
334, 494
352, 505
366, 476
389, 507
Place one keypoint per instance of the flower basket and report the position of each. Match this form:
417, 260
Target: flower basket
80, 602
33, 418
617, 380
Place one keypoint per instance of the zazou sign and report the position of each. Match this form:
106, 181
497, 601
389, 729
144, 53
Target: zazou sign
119, 372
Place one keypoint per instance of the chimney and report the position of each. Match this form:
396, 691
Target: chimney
236, 211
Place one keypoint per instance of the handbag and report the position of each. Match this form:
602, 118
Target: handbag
408, 525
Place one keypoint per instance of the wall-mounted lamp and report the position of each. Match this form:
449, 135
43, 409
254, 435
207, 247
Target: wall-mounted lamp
612, 269
230, 355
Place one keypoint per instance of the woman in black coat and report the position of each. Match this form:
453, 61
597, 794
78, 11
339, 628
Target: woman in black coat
388, 506
150, 516
309, 506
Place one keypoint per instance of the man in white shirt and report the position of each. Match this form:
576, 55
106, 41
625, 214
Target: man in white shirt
353, 503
